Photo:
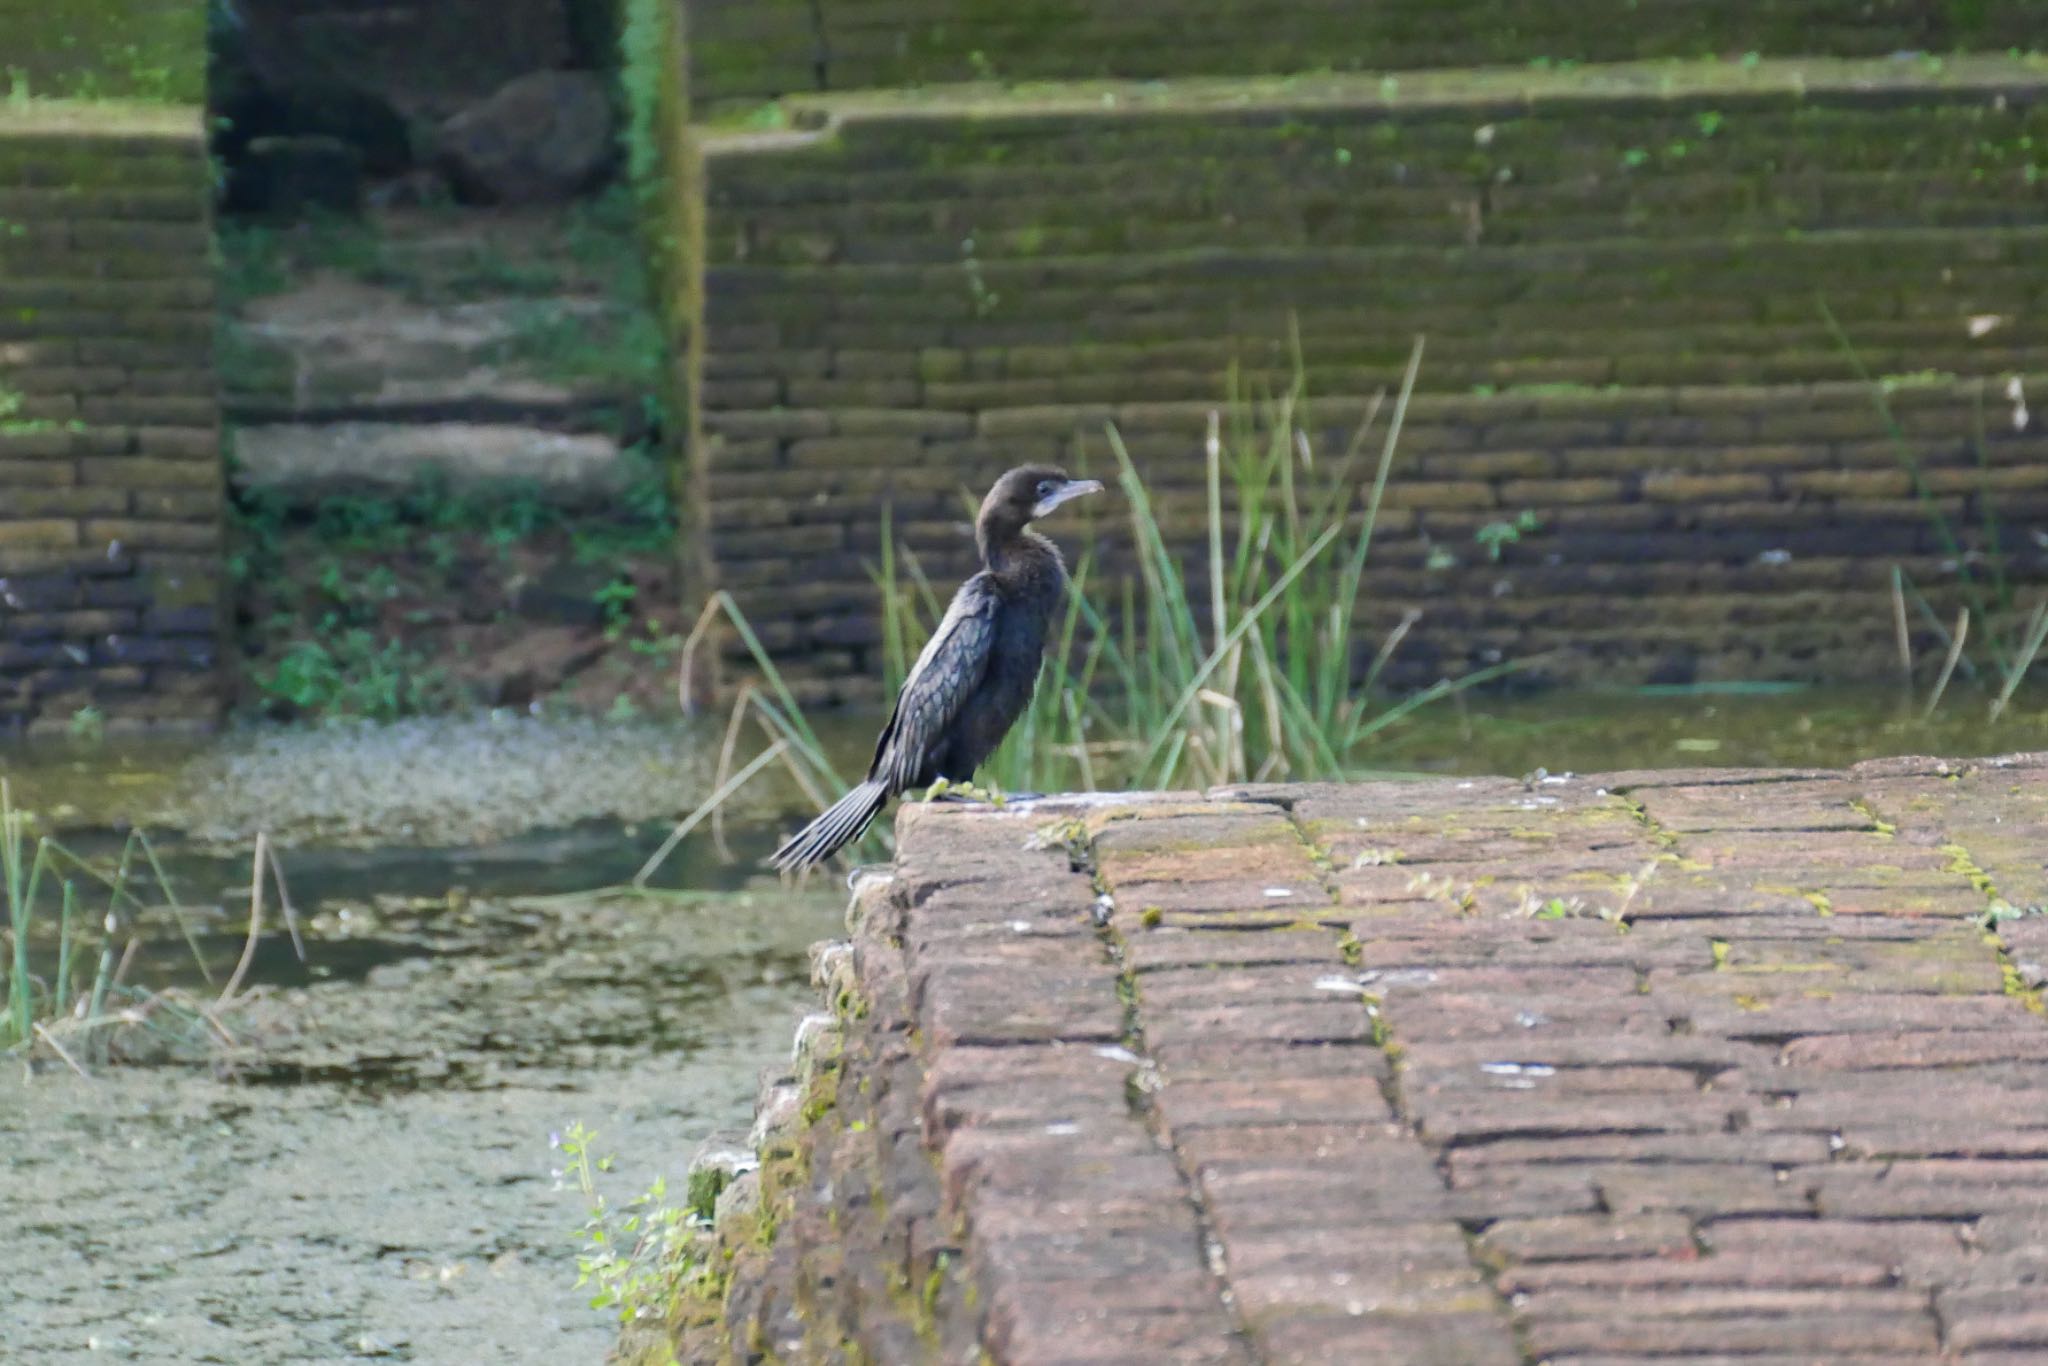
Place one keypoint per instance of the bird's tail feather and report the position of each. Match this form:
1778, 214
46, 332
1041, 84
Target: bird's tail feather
832, 831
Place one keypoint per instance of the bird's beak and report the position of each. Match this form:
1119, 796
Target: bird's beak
1073, 488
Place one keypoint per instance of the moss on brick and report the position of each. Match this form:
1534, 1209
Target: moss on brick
152, 50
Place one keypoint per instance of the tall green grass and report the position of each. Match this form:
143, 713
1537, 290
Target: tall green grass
1250, 667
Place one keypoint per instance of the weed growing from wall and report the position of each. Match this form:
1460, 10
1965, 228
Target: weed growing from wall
637, 1259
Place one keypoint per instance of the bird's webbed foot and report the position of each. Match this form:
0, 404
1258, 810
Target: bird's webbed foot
946, 790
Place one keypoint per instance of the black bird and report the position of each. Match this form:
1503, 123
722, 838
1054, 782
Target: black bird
977, 673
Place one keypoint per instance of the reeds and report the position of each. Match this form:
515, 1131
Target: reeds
79, 1007
2008, 649
1251, 666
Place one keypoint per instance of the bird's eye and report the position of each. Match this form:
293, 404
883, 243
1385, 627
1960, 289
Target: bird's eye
1046, 486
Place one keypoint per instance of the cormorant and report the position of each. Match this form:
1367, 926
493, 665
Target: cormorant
976, 675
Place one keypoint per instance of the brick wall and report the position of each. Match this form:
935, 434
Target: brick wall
110, 478
754, 49
1620, 288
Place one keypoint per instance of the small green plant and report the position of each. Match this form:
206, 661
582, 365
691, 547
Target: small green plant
352, 672
706, 1184
627, 347
2000, 911
615, 601
1497, 535
655, 643
12, 423
346, 599
984, 300
637, 1259
88, 725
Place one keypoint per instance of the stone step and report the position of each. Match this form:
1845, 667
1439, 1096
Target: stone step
305, 459
1926, 405
1745, 82
337, 348
743, 52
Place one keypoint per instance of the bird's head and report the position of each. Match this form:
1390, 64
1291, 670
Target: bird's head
1028, 493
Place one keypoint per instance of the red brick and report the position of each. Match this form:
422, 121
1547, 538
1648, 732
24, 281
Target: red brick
1830, 1336
1580, 1237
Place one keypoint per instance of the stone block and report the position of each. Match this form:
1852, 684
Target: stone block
42, 474
1588, 1236
134, 534
199, 442
147, 473
1693, 488
47, 533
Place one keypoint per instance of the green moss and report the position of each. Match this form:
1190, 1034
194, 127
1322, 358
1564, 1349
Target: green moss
152, 50
706, 1185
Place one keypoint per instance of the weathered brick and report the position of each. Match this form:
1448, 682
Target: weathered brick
1838, 1333
164, 411
1448, 493
177, 621
149, 473
174, 505
35, 444
45, 533
1849, 483
141, 535
198, 441
1687, 488
71, 626
1548, 492
64, 502
1582, 1236
25, 474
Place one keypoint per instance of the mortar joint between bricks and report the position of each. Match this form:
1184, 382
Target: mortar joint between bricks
1318, 854
1144, 1080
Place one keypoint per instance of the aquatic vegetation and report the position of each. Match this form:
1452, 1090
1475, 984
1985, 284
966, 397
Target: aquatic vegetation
1248, 665
74, 1000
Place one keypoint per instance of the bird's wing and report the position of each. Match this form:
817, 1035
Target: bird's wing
946, 674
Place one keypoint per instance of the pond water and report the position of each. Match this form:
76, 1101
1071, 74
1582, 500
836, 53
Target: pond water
363, 1170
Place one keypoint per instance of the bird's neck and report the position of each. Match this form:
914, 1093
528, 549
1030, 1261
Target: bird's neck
1016, 554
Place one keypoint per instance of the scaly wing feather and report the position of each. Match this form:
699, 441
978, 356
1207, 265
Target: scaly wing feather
948, 670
